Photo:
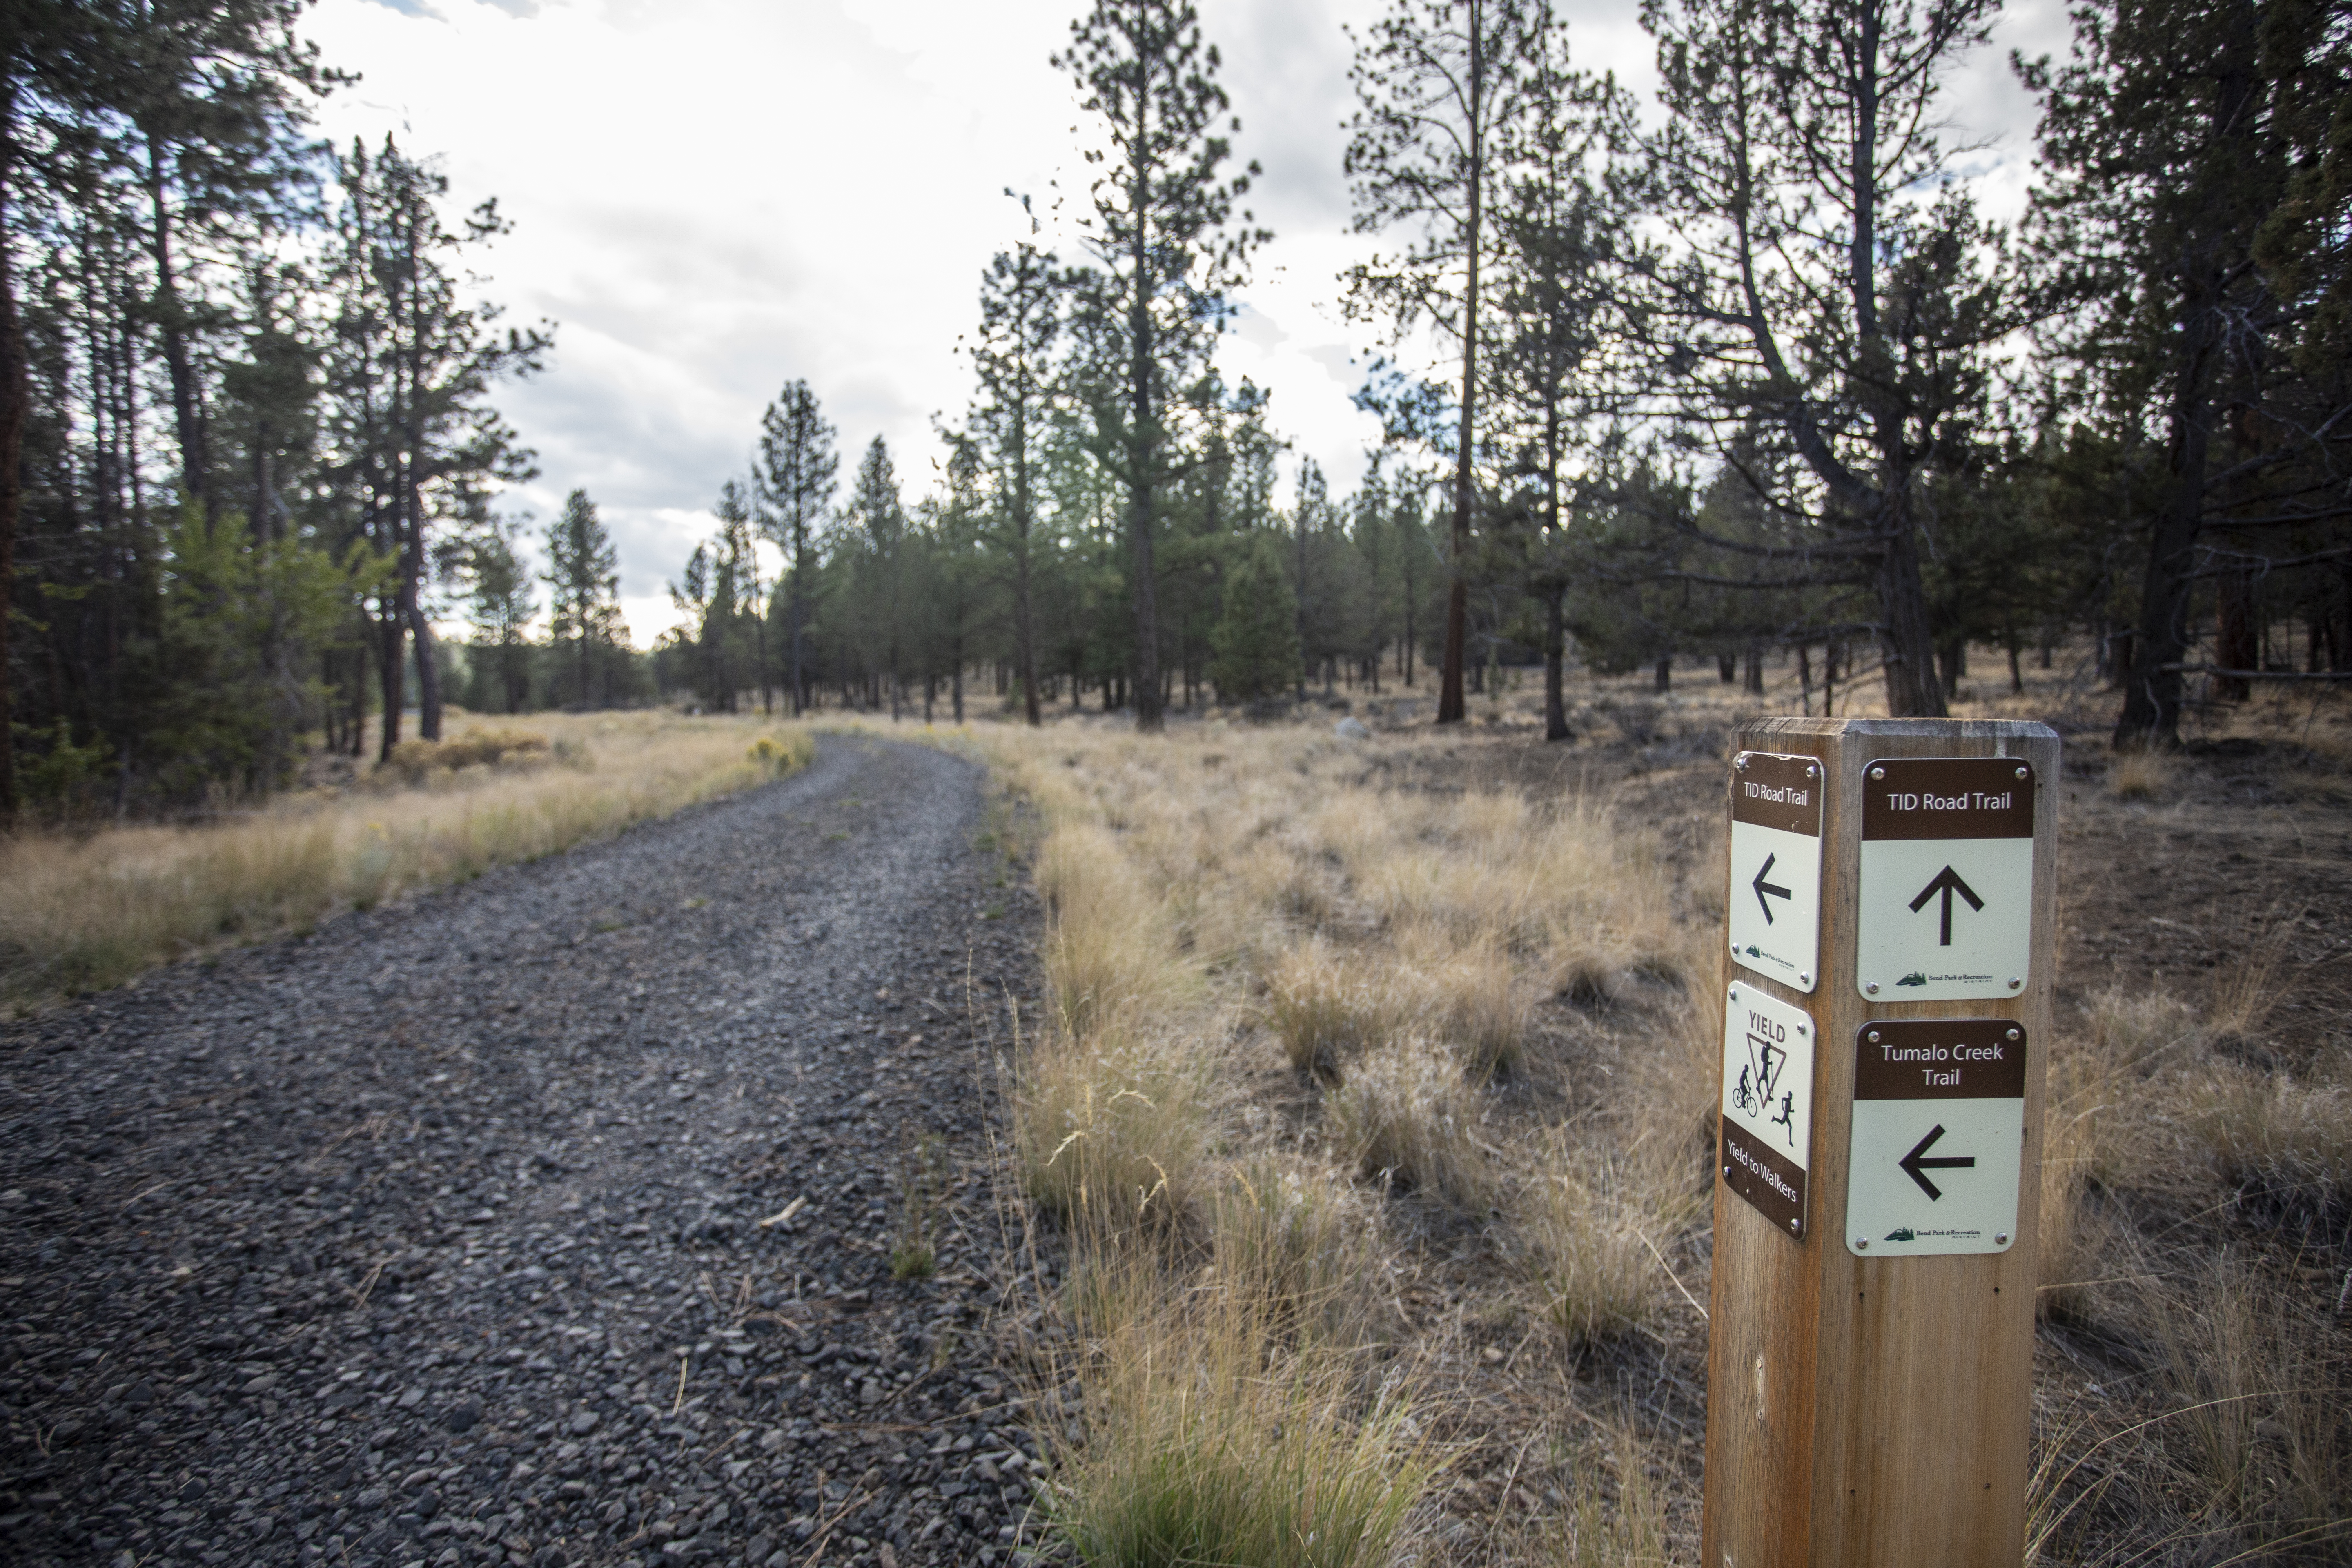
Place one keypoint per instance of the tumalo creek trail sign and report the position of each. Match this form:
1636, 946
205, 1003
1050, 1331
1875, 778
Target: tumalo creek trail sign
1888, 916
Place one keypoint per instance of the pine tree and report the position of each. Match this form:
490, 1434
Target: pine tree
410, 376
1254, 648
793, 480
879, 516
1805, 307
1166, 260
500, 605
2193, 143
583, 581
1019, 326
1439, 87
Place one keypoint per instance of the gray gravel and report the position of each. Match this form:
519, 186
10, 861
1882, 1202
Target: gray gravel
434, 1237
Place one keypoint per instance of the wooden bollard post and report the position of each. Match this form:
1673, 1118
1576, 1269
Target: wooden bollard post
1888, 978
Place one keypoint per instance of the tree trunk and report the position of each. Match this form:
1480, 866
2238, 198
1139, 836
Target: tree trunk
2016, 673
1025, 648
1804, 681
1912, 689
2235, 647
428, 673
1451, 708
187, 408
15, 394
1727, 668
1555, 663
1665, 674
2151, 713
392, 647
1755, 685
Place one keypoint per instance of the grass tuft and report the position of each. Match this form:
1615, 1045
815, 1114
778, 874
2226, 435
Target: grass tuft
1405, 1115
1208, 1439
2144, 774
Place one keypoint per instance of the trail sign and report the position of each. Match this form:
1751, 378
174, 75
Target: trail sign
1767, 1139
1775, 902
1870, 1370
1939, 1137
1946, 888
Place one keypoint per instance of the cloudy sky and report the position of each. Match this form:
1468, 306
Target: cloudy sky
712, 197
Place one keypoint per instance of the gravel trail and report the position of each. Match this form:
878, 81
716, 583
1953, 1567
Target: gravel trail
435, 1237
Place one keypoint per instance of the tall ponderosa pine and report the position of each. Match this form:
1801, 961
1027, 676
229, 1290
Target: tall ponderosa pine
410, 376
1167, 260
1801, 303
794, 478
583, 580
1558, 232
1013, 360
1438, 84
2202, 201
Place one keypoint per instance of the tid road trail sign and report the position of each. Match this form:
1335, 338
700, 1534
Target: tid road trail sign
1774, 908
1947, 879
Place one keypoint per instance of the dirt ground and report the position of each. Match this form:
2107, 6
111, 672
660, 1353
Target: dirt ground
2215, 878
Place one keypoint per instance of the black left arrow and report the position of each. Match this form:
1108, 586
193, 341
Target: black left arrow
1763, 887
1947, 882
1916, 1166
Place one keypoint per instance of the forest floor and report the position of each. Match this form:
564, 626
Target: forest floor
449, 1234
1445, 995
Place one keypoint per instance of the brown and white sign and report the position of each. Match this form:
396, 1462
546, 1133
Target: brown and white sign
1774, 903
1766, 1146
1945, 896
1938, 1146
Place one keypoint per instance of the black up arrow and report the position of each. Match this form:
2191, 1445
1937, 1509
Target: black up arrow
1763, 887
1948, 882
1916, 1164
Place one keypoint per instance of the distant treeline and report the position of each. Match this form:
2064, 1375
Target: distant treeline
1737, 371
1745, 373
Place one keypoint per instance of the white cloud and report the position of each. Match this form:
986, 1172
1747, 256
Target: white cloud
713, 196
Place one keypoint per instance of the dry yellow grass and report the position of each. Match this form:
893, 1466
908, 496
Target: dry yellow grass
1212, 1437
89, 911
1224, 902
1426, 1034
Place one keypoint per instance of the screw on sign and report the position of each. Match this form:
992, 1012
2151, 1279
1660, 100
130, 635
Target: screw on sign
1938, 1148
1946, 883
1776, 866
1766, 1122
